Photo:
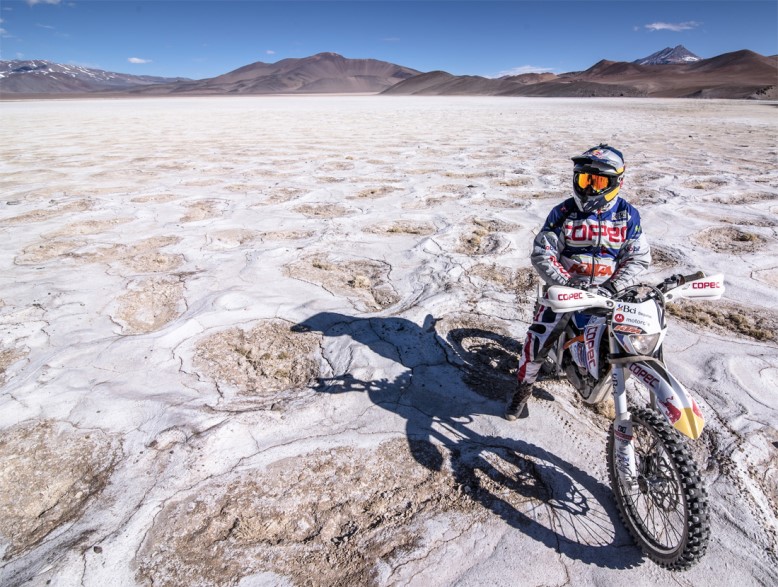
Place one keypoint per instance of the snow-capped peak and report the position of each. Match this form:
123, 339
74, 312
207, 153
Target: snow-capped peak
677, 54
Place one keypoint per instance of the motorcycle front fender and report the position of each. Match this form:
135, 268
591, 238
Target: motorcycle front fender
672, 400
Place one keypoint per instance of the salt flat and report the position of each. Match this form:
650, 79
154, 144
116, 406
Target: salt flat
267, 341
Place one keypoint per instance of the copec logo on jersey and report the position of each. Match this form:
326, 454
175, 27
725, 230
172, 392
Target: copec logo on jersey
604, 231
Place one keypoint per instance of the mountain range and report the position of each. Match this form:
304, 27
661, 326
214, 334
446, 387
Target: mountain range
45, 77
739, 75
671, 72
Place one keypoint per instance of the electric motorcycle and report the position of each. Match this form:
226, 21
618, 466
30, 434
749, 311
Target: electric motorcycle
660, 496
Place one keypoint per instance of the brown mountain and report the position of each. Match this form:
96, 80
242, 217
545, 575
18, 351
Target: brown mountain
741, 74
321, 73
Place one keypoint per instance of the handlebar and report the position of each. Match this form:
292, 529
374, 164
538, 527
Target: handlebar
678, 279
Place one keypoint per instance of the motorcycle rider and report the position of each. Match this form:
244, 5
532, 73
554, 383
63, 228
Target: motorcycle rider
594, 241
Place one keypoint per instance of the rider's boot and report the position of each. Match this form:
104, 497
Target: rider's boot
517, 405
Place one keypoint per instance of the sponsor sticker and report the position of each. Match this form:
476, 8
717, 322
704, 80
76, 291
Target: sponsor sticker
626, 328
596, 269
591, 351
645, 377
582, 233
622, 436
619, 317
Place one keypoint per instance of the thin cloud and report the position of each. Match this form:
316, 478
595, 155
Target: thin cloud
391, 39
45, 26
522, 69
34, 2
676, 27
270, 52
138, 60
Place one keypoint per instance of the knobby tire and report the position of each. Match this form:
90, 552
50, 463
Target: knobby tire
665, 464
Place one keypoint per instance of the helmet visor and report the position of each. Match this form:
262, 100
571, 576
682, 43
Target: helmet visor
597, 182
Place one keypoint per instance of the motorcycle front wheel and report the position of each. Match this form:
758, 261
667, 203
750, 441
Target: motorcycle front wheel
666, 512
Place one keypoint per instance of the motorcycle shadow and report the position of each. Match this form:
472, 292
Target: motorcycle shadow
530, 488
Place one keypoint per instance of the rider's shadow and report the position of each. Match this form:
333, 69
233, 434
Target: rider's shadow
437, 387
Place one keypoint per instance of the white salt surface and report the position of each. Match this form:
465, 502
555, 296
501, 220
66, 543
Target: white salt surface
266, 341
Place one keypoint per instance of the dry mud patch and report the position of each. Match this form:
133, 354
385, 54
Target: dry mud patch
331, 166
287, 235
203, 210
149, 305
49, 471
729, 240
284, 194
48, 250
523, 282
514, 202
338, 517
666, 258
727, 317
514, 181
322, 210
419, 228
705, 183
374, 193
142, 257
154, 262
483, 237
741, 199
48, 214
269, 364
364, 282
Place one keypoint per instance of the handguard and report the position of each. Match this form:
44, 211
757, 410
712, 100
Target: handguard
704, 288
561, 298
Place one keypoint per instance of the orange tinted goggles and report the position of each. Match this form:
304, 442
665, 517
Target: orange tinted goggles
598, 182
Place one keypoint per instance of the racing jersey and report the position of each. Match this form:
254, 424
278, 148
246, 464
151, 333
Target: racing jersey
606, 244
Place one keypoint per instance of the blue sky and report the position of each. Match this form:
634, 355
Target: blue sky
199, 39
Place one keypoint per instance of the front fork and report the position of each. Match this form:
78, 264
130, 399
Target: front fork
622, 425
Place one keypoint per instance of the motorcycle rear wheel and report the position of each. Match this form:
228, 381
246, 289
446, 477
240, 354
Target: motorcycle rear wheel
667, 513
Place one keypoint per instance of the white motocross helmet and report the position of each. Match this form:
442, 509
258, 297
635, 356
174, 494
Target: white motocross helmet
597, 177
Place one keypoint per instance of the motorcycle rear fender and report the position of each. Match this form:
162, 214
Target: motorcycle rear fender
672, 400
561, 298
705, 288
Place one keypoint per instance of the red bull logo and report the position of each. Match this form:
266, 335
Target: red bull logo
673, 413
696, 409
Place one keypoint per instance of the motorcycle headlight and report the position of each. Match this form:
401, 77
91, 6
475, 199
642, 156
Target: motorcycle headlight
644, 344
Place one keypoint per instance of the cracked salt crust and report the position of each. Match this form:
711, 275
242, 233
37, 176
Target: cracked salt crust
271, 340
